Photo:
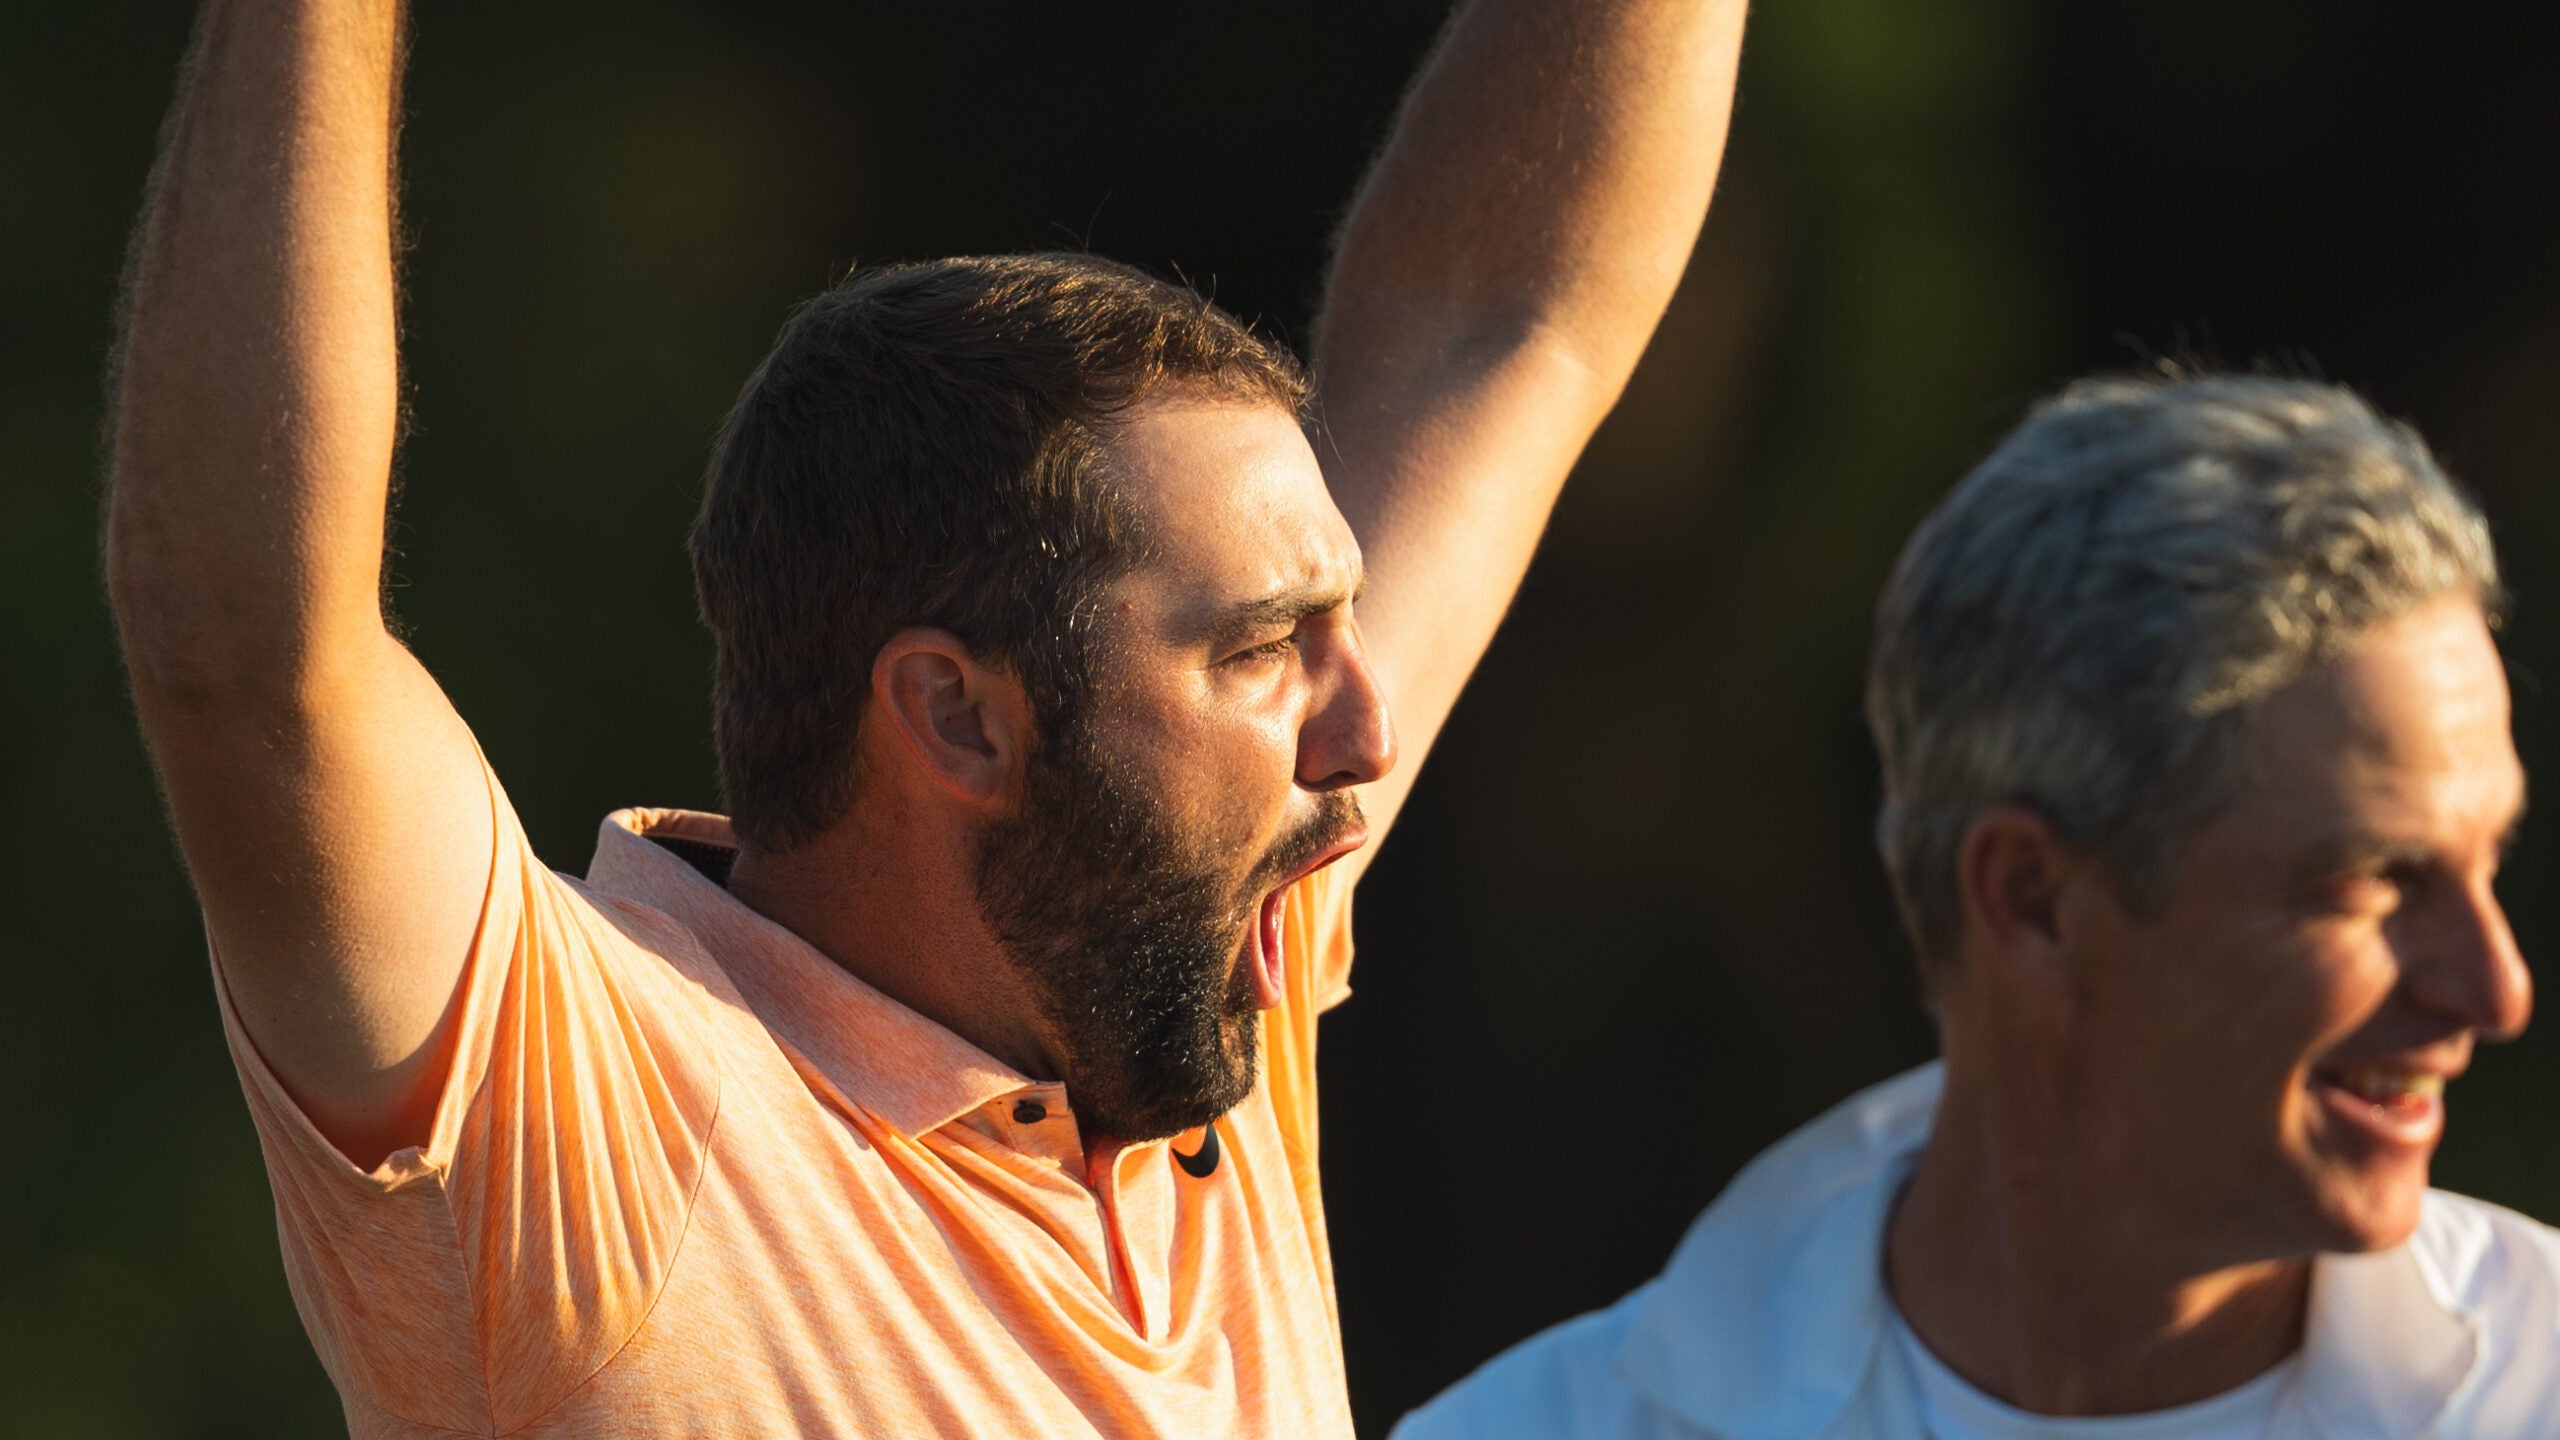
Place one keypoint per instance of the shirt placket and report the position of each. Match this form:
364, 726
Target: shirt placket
1035, 1121
1131, 1188
1129, 1205
1136, 1196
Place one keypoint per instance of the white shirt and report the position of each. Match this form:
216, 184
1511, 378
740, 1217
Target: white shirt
1772, 1323
1950, 1408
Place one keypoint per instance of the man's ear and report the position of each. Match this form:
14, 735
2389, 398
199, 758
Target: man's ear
2012, 874
965, 724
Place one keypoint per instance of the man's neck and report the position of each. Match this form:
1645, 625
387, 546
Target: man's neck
903, 918
2041, 1282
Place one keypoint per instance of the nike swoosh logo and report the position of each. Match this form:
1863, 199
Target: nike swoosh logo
1200, 1163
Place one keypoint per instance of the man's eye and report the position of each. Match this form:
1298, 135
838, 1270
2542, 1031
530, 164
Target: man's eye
1269, 649
2378, 889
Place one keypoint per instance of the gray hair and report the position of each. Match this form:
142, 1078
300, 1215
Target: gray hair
2085, 622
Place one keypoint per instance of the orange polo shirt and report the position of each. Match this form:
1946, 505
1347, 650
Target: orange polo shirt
688, 1176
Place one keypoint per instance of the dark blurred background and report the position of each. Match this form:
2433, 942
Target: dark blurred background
1630, 929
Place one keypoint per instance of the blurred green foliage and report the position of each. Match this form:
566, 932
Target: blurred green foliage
1630, 929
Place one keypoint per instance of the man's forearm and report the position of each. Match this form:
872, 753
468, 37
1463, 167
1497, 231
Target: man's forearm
257, 399
1502, 269
1547, 175
1550, 170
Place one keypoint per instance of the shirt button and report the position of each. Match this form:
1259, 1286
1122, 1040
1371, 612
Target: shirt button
1029, 1112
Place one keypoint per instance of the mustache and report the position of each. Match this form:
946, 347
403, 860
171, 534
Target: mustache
1336, 816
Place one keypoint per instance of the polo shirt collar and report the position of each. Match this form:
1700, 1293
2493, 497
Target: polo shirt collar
911, 1072
1767, 1322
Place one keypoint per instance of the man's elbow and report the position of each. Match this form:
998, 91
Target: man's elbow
1570, 368
1409, 358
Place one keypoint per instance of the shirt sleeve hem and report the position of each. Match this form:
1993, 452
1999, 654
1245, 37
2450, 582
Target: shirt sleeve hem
285, 1116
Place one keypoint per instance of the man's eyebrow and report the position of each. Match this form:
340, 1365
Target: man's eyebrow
2356, 848
1234, 624
2342, 849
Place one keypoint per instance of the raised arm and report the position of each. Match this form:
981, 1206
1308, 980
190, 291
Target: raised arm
329, 802
1501, 270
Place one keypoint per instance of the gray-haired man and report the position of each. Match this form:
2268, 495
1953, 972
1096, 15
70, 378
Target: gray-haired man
2197, 775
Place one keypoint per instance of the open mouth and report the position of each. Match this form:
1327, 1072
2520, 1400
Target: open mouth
2395, 1103
1267, 966
2387, 1087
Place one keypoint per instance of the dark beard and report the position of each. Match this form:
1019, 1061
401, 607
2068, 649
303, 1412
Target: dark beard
1127, 929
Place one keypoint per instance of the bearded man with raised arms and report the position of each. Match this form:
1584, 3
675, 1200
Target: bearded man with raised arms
961, 1081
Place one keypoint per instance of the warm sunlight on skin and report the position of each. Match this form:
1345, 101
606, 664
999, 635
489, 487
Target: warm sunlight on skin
1233, 678
2278, 1040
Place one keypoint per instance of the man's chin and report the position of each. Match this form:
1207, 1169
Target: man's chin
1162, 1121
1136, 1109
2364, 1168
2367, 1209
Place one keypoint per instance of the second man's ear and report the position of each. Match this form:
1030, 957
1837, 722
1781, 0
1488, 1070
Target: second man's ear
2011, 873
965, 724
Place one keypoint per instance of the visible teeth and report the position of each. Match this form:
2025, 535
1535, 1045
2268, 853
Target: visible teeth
2384, 1086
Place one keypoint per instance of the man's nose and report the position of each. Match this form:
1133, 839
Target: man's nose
1349, 738
2471, 969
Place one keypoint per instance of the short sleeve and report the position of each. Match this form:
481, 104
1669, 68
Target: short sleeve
470, 1284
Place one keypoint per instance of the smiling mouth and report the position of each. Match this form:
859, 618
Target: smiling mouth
2395, 1103
2387, 1086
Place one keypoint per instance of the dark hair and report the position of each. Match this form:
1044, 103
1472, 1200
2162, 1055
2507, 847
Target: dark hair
924, 447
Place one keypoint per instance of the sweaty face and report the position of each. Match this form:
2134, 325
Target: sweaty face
2276, 1044
1139, 882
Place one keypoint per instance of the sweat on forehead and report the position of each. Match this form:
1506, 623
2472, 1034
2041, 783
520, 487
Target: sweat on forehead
1227, 509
